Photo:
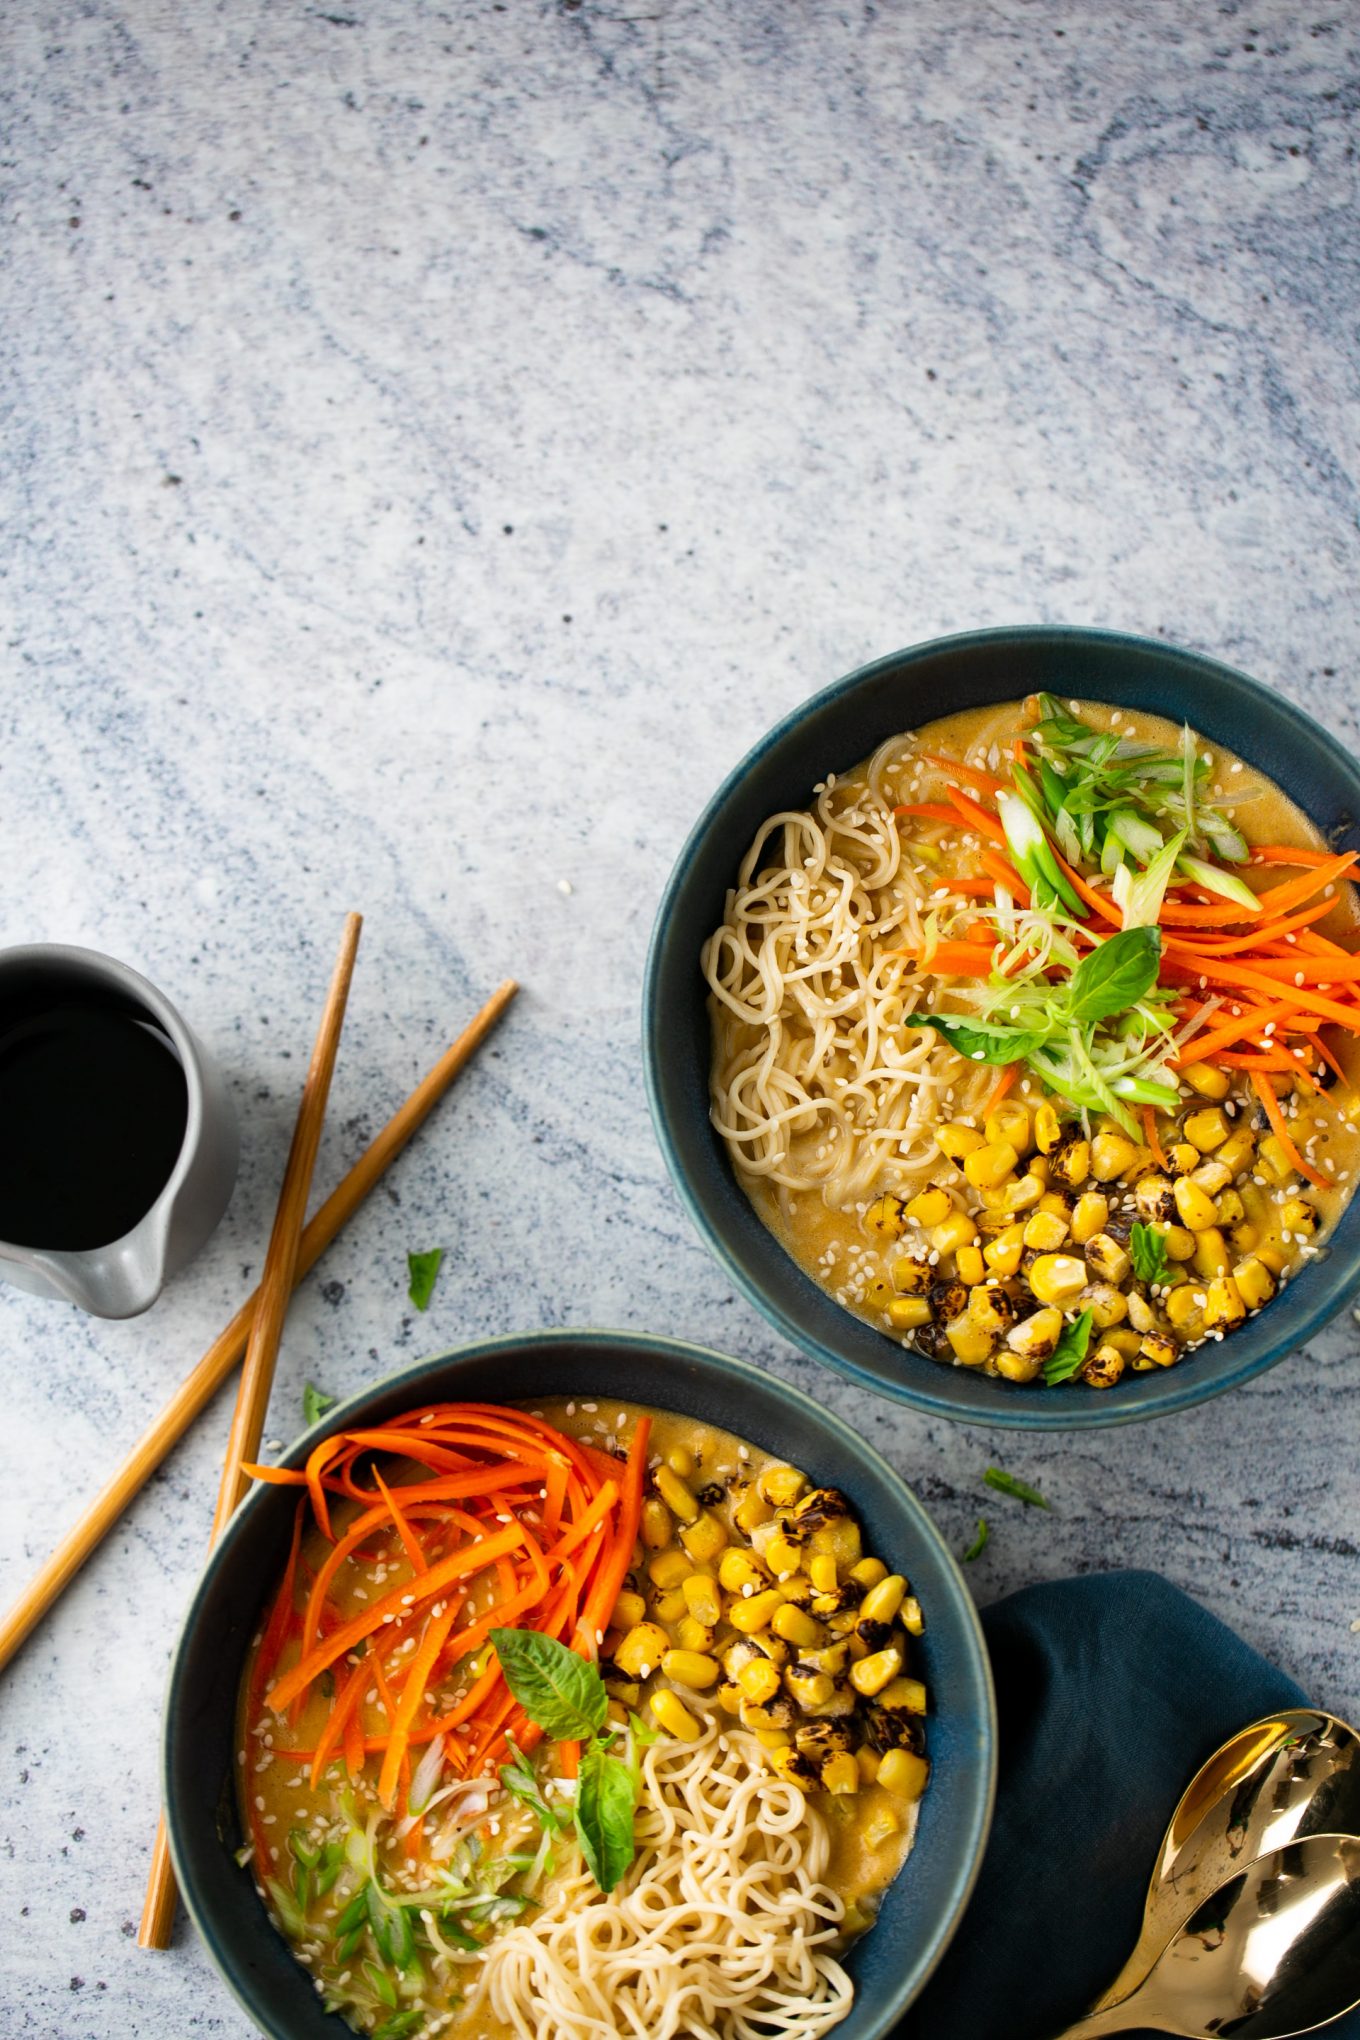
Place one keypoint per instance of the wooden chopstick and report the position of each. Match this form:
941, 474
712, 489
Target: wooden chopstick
262, 1347
197, 1389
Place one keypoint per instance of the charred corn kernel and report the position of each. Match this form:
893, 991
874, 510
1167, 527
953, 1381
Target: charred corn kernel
910, 1276
790, 1764
958, 1230
1022, 1193
702, 1598
738, 1570
1047, 1129
1008, 1126
1070, 1161
882, 1602
759, 1680
1231, 1209
1223, 1306
1237, 1150
822, 1571
752, 1510
1161, 1350
1297, 1216
668, 1568
878, 1293
809, 1689
755, 1613
681, 1461
1056, 1202
782, 1555
642, 1650
904, 1696
1185, 1308
1037, 1166
781, 1485
987, 1166
670, 1606
1056, 1278
1155, 1198
908, 1313
690, 1668
991, 1309
658, 1525
1035, 1336
867, 1762
1090, 1216
1104, 1366
1142, 1316
886, 1217
1255, 1283
673, 1715
629, 1610
1107, 1305
903, 1773
1106, 1259
1020, 1367
676, 1495
972, 1342
1003, 1254
1196, 1210
795, 1627
869, 1572
1245, 1237
928, 1207
970, 1265
1111, 1156
692, 1634
874, 1672
1208, 1081
1178, 1242
957, 1140
911, 1617
1124, 1340
1046, 1230
1273, 1257
840, 1773
1273, 1161
1182, 1157
704, 1539
773, 1738
1207, 1130
1211, 1253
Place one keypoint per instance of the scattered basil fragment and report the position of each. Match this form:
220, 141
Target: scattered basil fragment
982, 1044
1115, 976
1069, 1355
1007, 1484
979, 1543
556, 1688
1147, 1250
606, 1796
315, 1403
423, 1270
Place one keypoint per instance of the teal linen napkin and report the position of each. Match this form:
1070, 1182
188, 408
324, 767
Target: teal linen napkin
1111, 1691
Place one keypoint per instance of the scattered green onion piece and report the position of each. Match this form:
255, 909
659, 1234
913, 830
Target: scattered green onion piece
1225, 883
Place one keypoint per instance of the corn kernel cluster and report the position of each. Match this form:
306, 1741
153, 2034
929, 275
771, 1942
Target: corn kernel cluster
755, 1595
1030, 1226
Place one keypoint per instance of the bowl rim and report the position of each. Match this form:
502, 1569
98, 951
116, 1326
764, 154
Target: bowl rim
1068, 1410
912, 1980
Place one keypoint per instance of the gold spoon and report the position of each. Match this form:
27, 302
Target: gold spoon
1293, 1774
1273, 1952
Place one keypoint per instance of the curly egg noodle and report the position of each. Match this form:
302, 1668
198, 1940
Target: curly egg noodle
816, 1083
722, 1930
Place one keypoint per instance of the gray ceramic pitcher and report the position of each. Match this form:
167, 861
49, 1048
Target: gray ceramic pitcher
126, 1276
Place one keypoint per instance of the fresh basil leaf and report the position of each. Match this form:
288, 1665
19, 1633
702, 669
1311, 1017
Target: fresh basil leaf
556, 1689
520, 1780
1147, 1250
1115, 976
606, 1796
315, 1403
979, 1543
1007, 1484
981, 1043
423, 1270
1069, 1355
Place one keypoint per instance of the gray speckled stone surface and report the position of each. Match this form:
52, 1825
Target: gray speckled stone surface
437, 440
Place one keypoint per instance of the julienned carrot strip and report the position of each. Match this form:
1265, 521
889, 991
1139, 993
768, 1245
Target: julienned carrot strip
1150, 1140
958, 959
1272, 931
412, 1693
1000, 1088
1102, 902
1320, 1049
605, 1590
410, 1542
1286, 853
468, 1558
1280, 1127
337, 1721
1250, 1020
971, 775
1281, 899
1284, 1062
928, 810
975, 816
1192, 963
555, 1491
1004, 874
317, 1463
971, 888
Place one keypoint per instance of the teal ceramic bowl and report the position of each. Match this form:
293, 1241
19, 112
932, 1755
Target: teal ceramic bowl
831, 733
922, 1908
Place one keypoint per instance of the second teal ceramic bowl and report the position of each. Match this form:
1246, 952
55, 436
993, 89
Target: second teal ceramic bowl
831, 733
922, 1907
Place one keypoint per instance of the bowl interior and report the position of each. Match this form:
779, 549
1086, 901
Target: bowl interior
923, 1906
831, 733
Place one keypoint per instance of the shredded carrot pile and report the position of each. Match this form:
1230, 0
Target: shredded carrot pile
483, 1518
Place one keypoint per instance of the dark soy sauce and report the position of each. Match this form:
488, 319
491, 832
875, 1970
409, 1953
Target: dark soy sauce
93, 1107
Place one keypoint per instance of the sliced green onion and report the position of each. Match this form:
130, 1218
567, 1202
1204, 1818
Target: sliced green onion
1135, 834
1225, 883
1139, 897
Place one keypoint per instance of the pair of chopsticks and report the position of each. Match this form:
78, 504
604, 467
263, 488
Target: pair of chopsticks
256, 1330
